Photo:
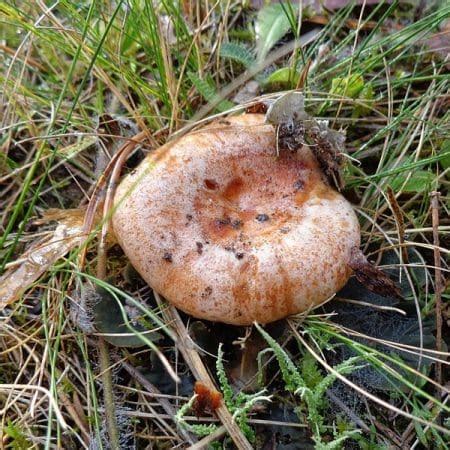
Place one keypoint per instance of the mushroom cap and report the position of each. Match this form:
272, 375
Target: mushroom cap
227, 231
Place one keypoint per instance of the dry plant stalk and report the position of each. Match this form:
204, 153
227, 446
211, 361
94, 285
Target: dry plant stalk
200, 372
438, 283
165, 404
204, 443
399, 219
103, 348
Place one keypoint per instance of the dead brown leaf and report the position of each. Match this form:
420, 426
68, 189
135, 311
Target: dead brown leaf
41, 256
372, 277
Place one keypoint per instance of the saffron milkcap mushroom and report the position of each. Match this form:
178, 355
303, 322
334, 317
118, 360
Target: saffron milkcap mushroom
228, 231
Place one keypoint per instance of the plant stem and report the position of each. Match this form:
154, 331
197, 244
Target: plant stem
108, 394
438, 288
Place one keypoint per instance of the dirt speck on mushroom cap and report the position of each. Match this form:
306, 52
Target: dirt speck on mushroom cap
275, 239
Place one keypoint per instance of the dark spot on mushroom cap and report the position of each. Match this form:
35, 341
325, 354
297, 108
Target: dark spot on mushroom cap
211, 184
199, 247
236, 224
220, 228
298, 185
239, 255
167, 257
207, 292
223, 222
262, 217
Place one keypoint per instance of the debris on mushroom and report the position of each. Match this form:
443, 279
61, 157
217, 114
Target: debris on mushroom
371, 277
295, 127
228, 231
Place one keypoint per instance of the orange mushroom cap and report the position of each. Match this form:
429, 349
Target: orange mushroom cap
227, 231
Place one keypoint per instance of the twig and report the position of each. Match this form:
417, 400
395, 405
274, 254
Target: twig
398, 216
263, 422
80, 420
349, 23
438, 285
200, 372
389, 432
108, 394
370, 305
165, 404
202, 444
28, 60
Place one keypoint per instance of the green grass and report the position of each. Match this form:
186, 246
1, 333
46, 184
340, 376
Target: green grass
66, 64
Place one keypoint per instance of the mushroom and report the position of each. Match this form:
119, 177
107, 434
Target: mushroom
228, 231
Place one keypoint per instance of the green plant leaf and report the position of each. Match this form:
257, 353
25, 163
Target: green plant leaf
110, 317
237, 52
419, 181
208, 91
310, 371
17, 438
365, 96
445, 161
271, 25
350, 86
284, 77
291, 376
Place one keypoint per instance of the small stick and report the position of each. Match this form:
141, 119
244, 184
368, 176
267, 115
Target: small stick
108, 394
371, 305
80, 420
202, 444
200, 372
398, 216
165, 404
438, 285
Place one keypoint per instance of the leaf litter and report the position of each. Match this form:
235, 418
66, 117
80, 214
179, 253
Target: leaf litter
295, 127
42, 254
